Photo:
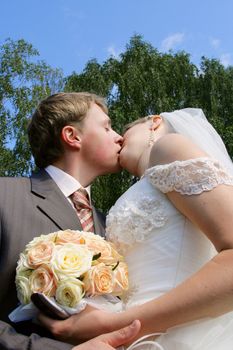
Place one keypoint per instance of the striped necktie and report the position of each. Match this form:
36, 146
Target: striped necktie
83, 208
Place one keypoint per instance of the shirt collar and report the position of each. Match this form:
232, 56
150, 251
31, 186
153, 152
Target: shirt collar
66, 183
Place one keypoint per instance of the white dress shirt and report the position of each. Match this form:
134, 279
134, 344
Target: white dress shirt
66, 183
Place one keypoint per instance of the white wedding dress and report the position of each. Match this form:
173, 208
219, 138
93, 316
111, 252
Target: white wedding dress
163, 248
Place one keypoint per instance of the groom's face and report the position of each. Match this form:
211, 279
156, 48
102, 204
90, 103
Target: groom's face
100, 143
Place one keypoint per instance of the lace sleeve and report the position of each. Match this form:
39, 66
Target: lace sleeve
192, 176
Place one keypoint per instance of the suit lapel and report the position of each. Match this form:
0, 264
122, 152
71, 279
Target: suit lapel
52, 202
98, 224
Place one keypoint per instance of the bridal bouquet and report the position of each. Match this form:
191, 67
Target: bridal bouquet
70, 267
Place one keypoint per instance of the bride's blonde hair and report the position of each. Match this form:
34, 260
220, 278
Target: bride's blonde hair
138, 121
144, 120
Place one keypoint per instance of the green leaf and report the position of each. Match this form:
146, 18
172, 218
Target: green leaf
96, 256
114, 268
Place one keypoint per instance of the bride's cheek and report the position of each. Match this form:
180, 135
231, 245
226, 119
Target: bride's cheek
122, 162
122, 159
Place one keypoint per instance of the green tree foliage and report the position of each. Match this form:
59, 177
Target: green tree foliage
23, 83
144, 81
215, 96
139, 82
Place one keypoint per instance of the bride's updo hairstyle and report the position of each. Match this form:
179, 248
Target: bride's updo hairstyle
145, 119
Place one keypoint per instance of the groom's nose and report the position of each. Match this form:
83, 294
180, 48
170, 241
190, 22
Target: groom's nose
119, 139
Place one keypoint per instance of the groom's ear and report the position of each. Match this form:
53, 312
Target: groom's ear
71, 136
156, 122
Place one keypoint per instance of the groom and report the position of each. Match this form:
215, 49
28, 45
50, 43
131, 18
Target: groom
72, 143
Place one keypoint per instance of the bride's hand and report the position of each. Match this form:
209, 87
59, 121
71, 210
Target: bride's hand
112, 340
86, 325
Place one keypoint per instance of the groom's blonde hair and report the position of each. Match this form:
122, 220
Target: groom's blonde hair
49, 118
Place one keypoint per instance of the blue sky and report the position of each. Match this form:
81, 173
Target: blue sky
68, 33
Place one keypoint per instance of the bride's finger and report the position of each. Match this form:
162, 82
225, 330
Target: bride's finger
121, 336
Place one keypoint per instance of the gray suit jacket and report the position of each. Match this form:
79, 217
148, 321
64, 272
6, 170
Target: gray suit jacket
28, 208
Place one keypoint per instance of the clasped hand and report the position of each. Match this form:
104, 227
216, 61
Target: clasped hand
81, 327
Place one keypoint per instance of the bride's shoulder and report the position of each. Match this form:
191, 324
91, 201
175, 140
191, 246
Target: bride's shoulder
172, 147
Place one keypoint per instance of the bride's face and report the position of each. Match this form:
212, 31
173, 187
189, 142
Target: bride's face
135, 141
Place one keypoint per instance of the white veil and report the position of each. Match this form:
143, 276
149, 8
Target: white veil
191, 122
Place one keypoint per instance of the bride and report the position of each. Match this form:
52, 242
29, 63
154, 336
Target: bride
174, 227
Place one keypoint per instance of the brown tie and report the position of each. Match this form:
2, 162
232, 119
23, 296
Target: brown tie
83, 208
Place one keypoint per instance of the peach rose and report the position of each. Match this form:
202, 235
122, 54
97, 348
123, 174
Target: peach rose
42, 238
115, 255
98, 245
69, 236
42, 280
99, 280
121, 281
40, 254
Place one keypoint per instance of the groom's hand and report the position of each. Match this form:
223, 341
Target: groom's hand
112, 340
86, 325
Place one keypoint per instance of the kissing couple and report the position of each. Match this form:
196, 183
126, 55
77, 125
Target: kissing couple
173, 226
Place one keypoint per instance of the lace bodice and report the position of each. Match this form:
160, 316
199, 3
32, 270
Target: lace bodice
131, 220
189, 177
161, 246
142, 210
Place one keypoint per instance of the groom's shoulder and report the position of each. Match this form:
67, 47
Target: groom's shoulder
13, 181
14, 184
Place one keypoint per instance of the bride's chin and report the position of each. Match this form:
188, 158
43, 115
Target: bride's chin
123, 164
121, 160
126, 163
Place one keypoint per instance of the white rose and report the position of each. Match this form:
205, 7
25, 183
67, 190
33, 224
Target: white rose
23, 288
71, 260
22, 263
69, 292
